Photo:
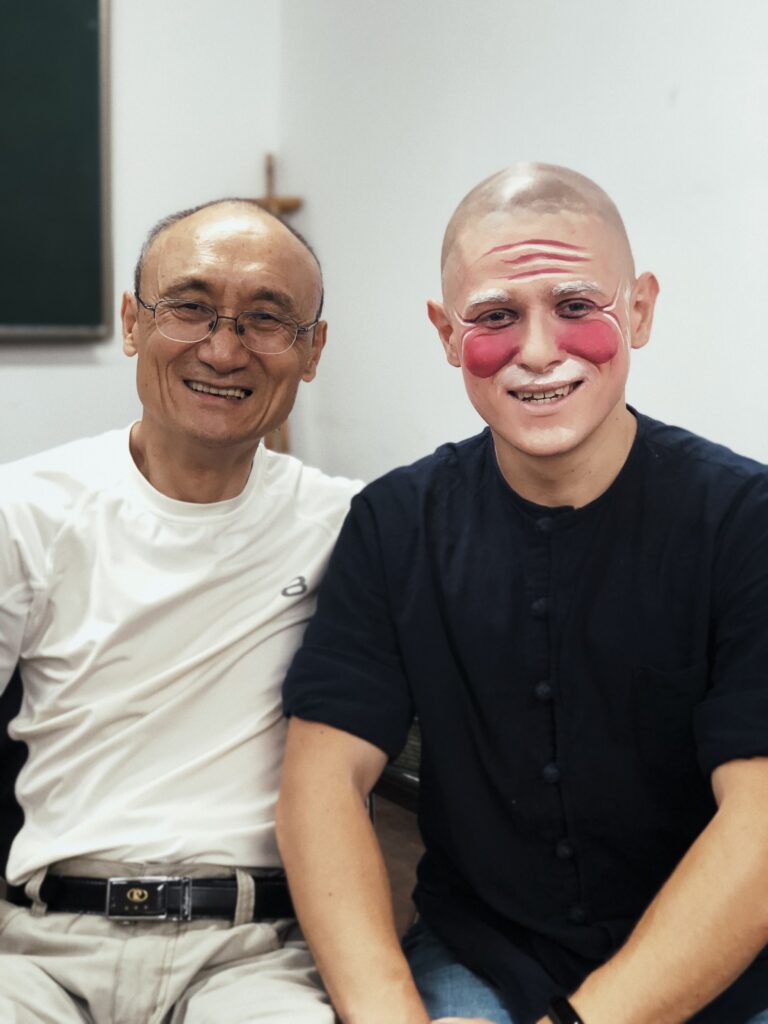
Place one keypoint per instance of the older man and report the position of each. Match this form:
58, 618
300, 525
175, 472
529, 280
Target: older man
155, 582
575, 605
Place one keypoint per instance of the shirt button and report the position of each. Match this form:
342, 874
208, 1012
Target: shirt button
564, 849
577, 914
545, 524
551, 773
540, 607
543, 690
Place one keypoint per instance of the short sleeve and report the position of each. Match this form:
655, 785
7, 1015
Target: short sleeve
348, 673
732, 720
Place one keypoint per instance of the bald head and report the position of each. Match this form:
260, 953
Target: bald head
531, 189
224, 206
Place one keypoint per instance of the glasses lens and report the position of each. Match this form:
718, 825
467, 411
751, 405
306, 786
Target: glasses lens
184, 321
266, 333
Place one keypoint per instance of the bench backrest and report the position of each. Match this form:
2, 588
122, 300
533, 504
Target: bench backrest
12, 757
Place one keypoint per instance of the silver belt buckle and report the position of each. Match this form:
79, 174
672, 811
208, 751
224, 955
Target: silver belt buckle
146, 898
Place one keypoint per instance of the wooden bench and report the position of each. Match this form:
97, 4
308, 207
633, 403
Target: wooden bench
12, 756
395, 801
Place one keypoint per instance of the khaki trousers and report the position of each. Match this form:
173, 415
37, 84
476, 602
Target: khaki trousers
75, 968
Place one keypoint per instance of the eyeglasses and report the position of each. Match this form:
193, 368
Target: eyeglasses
259, 330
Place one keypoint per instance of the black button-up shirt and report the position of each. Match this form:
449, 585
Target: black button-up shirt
577, 673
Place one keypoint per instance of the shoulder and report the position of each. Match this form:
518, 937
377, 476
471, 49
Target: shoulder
55, 479
670, 442
450, 469
698, 462
309, 493
705, 488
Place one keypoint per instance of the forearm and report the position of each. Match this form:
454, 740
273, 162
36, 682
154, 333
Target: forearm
340, 888
703, 929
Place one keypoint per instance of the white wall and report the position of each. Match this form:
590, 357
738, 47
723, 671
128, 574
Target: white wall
384, 115
391, 112
194, 109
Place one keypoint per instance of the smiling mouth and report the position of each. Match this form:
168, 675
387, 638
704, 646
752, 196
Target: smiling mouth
209, 389
544, 397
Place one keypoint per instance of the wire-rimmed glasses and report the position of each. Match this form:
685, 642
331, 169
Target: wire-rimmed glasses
260, 330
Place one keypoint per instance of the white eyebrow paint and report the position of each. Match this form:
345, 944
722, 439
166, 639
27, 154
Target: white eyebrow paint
492, 295
480, 298
568, 287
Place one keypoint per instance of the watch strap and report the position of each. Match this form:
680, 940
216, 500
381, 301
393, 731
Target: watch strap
560, 1011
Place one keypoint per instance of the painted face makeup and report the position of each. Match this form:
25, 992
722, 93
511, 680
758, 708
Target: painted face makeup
593, 333
595, 338
484, 353
539, 256
537, 315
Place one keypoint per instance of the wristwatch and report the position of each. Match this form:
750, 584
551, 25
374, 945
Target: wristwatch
560, 1011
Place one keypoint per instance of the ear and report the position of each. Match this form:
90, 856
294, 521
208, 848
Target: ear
441, 320
129, 315
313, 356
642, 302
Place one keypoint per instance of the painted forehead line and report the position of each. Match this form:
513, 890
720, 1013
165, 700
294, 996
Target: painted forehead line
539, 272
530, 257
550, 242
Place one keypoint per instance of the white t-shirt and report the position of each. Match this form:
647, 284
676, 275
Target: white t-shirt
153, 637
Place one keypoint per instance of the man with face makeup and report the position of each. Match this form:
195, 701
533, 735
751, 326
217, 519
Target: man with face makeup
155, 583
575, 605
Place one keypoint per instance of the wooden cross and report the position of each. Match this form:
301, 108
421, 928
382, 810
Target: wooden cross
277, 440
279, 205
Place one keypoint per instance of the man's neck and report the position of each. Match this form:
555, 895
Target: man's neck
188, 472
574, 478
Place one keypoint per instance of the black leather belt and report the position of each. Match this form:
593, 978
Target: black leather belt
159, 897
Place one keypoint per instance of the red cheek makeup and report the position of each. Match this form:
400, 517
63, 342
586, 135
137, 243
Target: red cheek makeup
485, 352
593, 340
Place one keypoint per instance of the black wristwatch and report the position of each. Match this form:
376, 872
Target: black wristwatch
560, 1011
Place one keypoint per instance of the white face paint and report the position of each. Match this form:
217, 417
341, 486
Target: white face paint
514, 377
540, 304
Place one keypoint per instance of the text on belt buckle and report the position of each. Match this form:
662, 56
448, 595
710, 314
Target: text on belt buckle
146, 899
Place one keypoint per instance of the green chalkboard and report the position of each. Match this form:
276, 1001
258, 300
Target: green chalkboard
54, 223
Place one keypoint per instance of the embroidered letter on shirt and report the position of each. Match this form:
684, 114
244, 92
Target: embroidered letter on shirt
296, 587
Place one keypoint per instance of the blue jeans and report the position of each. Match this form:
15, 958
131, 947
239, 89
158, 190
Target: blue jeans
449, 989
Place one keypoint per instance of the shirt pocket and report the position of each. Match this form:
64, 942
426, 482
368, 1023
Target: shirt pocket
663, 702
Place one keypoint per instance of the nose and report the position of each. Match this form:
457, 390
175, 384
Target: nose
539, 350
222, 349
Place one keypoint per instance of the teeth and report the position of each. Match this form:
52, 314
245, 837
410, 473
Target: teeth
544, 396
208, 389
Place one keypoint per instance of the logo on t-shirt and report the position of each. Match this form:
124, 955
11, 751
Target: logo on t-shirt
296, 587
